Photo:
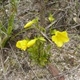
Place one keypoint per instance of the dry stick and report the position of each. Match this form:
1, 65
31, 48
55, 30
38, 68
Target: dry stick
75, 26
42, 10
53, 23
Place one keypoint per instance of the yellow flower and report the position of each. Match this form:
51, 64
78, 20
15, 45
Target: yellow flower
31, 42
60, 38
22, 44
30, 23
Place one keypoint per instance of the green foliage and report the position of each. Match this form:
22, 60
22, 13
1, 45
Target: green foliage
7, 33
39, 50
39, 53
52, 32
6, 30
51, 18
14, 5
10, 24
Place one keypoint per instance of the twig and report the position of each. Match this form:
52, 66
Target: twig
50, 25
42, 9
56, 21
75, 26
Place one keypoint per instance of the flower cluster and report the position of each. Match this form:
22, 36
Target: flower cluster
36, 48
59, 38
24, 44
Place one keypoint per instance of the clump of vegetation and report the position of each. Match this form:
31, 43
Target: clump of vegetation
6, 30
37, 48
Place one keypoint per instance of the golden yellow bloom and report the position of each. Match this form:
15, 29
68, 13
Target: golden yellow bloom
22, 44
30, 23
60, 38
31, 42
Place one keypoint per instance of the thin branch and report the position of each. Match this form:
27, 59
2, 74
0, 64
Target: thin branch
42, 9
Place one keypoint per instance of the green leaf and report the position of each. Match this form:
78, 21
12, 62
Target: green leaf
52, 32
51, 18
2, 28
14, 6
4, 41
10, 24
42, 39
42, 29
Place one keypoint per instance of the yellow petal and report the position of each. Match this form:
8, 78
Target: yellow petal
56, 41
30, 23
59, 44
18, 44
31, 42
22, 44
60, 38
65, 34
